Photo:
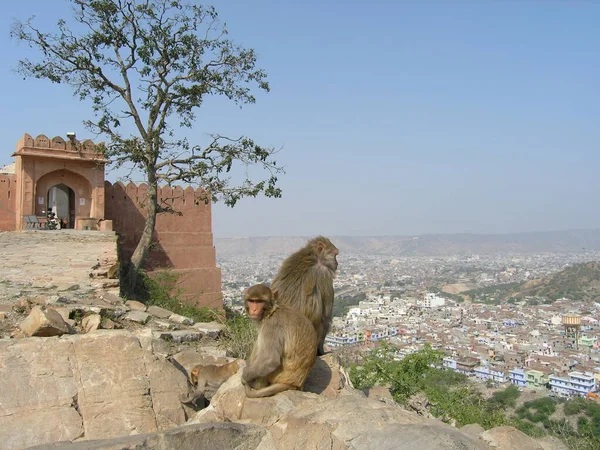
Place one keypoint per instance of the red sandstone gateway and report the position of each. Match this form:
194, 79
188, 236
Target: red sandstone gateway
67, 178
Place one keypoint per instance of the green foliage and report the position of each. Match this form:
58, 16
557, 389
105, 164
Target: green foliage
239, 336
161, 290
529, 428
537, 411
341, 305
450, 395
507, 397
574, 406
152, 63
405, 377
147, 66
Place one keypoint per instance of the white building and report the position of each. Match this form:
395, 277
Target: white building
432, 300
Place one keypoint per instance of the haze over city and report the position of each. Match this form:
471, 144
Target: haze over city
392, 118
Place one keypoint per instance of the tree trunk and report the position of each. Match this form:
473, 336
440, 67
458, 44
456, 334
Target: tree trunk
138, 259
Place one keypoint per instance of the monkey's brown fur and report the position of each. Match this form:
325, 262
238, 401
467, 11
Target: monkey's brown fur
211, 374
285, 349
305, 283
209, 377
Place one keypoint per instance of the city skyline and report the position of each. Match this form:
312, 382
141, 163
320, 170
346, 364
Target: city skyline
403, 119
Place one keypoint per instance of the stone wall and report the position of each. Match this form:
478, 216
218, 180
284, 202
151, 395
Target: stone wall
7, 202
184, 240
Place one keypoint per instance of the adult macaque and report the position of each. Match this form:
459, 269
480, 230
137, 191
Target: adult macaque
305, 282
208, 378
285, 349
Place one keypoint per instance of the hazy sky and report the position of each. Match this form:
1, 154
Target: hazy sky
394, 117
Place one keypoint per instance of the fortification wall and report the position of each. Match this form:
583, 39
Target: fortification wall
7, 202
183, 240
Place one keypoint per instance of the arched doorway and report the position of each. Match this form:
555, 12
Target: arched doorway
70, 191
61, 201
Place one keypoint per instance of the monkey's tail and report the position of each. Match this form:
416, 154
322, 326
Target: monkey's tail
269, 390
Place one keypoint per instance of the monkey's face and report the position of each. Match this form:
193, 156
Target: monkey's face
329, 256
256, 308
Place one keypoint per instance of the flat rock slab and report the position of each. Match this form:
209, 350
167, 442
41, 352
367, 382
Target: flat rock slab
211, 329
84, 387
159, 312
135, 305
218, 436
181, 335
181, 319
137, 316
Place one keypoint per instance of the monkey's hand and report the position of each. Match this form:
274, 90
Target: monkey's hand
248, 389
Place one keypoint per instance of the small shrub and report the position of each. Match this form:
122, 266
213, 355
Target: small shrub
506, 397
239, 336
574, 406
162, 291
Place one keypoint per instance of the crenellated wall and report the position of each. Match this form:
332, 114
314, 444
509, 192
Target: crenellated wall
183, 240
7, 202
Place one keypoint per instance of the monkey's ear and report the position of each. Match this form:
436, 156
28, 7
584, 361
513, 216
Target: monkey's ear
275, 295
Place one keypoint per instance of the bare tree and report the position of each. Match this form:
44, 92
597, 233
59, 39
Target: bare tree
149, 63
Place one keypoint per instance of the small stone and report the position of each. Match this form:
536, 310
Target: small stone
72, 287
111, 298
180, 336
135, 305
91, 323
159, 312
105, 284
181, 319
64, 312
22, 305
138, 316
165, 325
2, 315
107, 324
210, 329
44, 323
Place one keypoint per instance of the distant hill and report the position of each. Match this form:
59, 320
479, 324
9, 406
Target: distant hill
425, 245
577, 282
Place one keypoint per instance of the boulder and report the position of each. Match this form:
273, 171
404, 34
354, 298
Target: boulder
91, 323
81, 387
473, 430
230, 403
328, 378
360, 423
380, 393
336, 419
44, 323
218, 436
509, 438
